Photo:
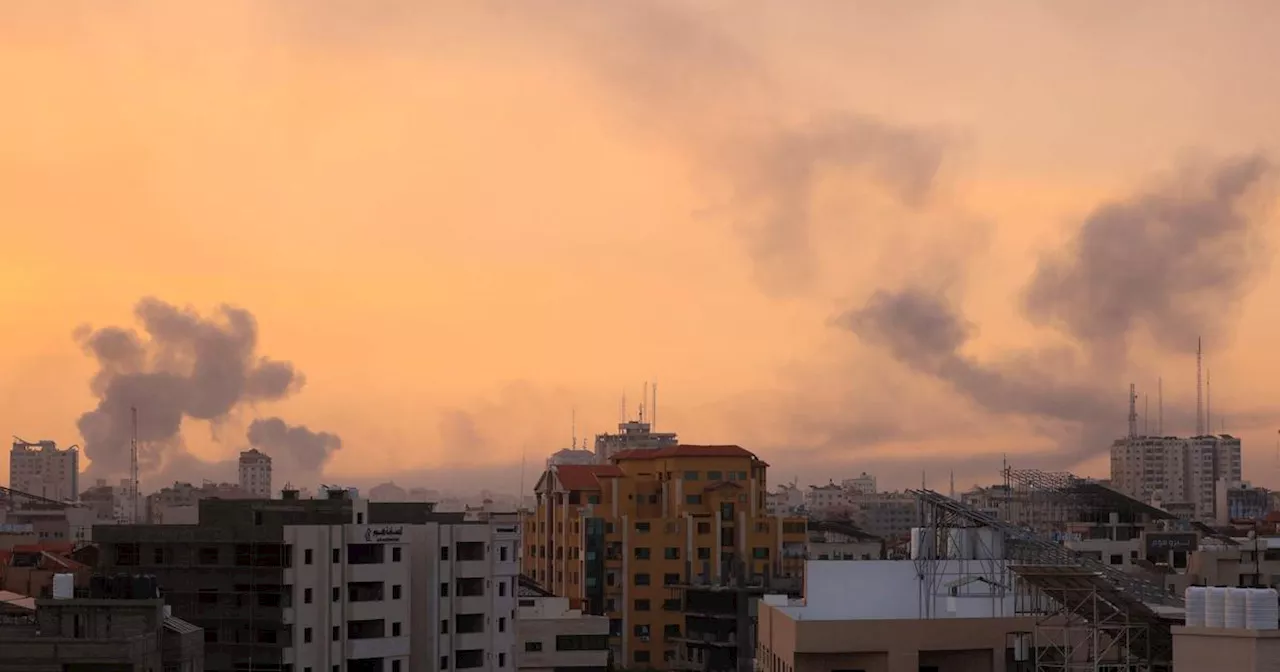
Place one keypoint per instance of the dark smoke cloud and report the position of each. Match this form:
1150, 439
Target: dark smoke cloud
1173, 261
183, 365
296, 447
1167, 260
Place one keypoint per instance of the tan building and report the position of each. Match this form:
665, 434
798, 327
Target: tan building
552, 636
868, 616
1200, 649
618, 539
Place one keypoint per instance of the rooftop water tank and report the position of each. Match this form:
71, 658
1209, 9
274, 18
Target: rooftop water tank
1196, 599
1215, 607
64, 586
1236, 597
1262, 609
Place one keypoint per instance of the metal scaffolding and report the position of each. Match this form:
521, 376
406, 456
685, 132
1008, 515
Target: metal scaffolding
1084, 623
1050, 500
957, 554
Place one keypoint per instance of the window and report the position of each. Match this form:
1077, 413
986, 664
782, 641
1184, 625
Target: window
671, 604
207, 555
593, 499
306, 635
642, 656
1117, 559
533, 646
670, 579
693, 499
395, 666
642, 579
337, 555
444, 590
690, 475
704, 553
671, 631
444, 627
502, 624
671, 553
337, 594
704, 528
366, 554
359, 518
502, 553
306, 596
337, 632
742, 475
395, 629
642, 605
715, 476
642, 527
642, 553
502, 660
760, 552
444, 552
306, 557
395, 554
444, 662
502, 588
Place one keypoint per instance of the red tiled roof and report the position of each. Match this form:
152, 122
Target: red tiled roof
684, 451
585, 476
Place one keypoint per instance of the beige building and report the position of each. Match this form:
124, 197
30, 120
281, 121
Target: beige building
550, 636
42, 470
868, 616
1201, 649
255, 473
1175, 470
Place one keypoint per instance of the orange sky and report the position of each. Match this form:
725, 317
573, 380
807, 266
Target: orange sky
514, 209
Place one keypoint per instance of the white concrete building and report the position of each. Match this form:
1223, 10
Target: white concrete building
401, 598
571, 456
786, 500
41, 469
864, 484
1176, 470
826, 498
255, 473
551, 636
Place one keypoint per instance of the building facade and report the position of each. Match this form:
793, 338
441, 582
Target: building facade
551, 636
42, 470
616, 538
632, 435
1176, 470
864, 484
255, 473
334, 584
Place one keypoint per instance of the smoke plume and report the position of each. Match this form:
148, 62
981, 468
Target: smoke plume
183, 365
1167, 261
297, 448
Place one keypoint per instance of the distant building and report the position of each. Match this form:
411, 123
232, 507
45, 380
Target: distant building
572, 456
823, 499
633, 435
836, 540
864, 484
388, 492
42, 470
785, 501
1240, 501
884, 514
255, 473
1176, 470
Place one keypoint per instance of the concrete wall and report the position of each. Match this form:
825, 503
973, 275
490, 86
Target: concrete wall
888, 589
954, 644
1219, 650
548, 618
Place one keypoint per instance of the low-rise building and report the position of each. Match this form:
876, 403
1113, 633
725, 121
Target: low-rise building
870, 615
839, 540
551, 636
108, 630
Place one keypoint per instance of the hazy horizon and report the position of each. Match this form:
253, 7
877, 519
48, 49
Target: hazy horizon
402, 241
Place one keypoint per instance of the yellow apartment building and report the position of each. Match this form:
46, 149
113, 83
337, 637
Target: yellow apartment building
620, 539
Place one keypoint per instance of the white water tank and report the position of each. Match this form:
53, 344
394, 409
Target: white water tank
1262, 609
922, 543
1215, 607
1234, 618
64, 586
1195, 597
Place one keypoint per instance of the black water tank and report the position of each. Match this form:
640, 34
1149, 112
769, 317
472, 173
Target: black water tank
98, 586
120, 587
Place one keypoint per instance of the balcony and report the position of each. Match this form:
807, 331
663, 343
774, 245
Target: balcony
471, 569
377, 647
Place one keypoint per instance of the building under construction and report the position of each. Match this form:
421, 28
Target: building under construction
1088, 614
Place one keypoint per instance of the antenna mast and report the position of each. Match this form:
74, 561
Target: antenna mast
133, 464
1146, 414
1208, 403
1199, 397
644, 397
1133, 412
573, 427
653, 409
1160, 406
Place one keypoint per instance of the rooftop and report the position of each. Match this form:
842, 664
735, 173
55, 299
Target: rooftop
585, 476
684, 450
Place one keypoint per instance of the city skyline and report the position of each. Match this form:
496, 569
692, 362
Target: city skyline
466, 227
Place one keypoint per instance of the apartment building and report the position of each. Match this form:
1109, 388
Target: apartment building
632, 435
864, 484
255, 473
824, 499
787, 500
1176, 470
621, 539
42, 470
884, 514
551, 636
335, 584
